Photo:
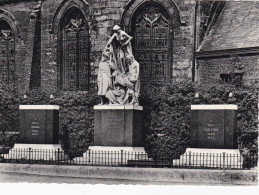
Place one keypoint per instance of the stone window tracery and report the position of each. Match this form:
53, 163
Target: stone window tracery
74, 48
151, 44
7, 53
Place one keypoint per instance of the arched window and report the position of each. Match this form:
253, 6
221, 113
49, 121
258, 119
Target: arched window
74, 51
7, 53
152, 42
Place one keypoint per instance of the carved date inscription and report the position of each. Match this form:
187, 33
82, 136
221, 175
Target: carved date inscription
211, 130
35, 127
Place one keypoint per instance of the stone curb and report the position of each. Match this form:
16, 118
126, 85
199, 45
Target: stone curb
200, 176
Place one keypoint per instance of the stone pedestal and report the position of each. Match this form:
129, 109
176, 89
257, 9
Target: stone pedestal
39, 134
118, 125
213, 140
117, 136
213, 126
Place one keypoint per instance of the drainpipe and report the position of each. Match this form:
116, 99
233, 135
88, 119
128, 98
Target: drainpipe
194, 42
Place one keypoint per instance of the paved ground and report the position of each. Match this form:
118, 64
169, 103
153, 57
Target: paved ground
16, 178
6, 177
129, 187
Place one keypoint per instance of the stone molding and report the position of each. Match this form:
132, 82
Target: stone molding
82, 5
117, 107
227, 52
10, 19
214, 107
39, 107
212, 151
116, 149
133, 5
38, 146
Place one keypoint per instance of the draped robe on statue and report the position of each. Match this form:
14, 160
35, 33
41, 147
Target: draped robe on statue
121, 47
104, 77
118, 79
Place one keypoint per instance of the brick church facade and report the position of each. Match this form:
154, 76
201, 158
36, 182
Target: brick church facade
57, 45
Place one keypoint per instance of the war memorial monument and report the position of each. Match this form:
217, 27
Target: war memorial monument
118, 117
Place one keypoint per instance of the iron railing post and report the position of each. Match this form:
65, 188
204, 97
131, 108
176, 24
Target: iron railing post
171, 160
155, 160
58, 155
29, 155
121, 158
224, 160
190, 155
89, 156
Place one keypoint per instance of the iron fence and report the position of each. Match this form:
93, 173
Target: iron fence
131, 159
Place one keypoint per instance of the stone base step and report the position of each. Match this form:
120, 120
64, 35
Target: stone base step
36, 152
210, 158
101, 155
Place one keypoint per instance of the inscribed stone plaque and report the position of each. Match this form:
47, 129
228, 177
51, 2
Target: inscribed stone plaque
211, 129
32, 126
213, 126
38, 126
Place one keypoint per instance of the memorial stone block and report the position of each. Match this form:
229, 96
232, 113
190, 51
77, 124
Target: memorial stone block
213, 126
118, 125
39, 124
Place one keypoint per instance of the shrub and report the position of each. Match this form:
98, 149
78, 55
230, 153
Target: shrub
246, 98
167, 114
9, 103
166, 117
75, 117
76, 120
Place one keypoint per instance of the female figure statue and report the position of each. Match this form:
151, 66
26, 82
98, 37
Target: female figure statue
104, 76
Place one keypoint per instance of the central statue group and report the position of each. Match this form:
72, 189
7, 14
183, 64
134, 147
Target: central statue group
118, 76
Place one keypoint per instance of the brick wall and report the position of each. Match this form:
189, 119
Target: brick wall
106, 13
24, 43
209, 70
236, 27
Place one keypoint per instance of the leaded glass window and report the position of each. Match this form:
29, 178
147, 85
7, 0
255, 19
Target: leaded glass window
74, 70
152, 35
7, 53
